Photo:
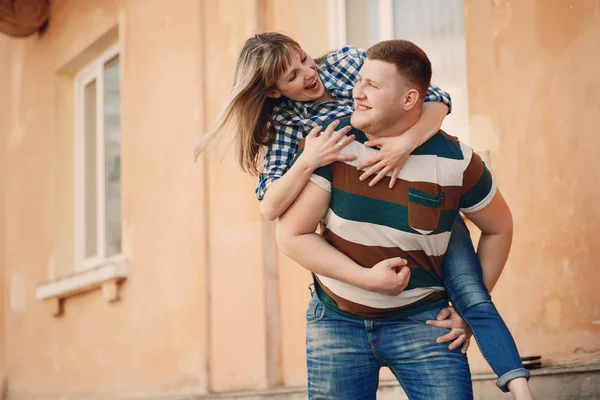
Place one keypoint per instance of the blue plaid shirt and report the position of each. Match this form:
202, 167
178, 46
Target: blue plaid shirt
293, 120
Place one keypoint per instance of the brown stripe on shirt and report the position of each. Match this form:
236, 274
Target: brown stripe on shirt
368, 256
345, 177
473, 173
371, 312
301, 145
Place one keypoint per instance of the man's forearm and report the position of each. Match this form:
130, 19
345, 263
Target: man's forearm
493, 252
316, 255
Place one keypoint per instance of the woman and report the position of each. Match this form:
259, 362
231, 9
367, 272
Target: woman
280, 96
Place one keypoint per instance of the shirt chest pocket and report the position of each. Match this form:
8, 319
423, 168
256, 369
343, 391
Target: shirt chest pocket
424, 210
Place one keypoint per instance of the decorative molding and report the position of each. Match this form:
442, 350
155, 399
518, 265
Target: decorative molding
336, 11
386, 19
21, 18
107, 277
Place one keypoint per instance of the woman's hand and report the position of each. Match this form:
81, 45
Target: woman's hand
392, 156
459, 334
395, 150
323, 149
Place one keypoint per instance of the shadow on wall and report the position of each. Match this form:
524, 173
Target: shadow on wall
4, 388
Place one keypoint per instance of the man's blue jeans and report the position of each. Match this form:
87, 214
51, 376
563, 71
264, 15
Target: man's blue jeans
465, 287
344, 356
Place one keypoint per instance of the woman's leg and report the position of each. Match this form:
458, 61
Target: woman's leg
464, 282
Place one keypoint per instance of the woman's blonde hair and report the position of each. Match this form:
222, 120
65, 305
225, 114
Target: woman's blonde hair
264, 57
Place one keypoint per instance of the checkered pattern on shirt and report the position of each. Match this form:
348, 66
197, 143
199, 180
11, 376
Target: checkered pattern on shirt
293, 120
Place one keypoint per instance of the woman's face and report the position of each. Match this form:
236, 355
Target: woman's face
300, 81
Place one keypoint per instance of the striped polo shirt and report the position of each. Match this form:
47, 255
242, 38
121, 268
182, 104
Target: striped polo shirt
413, 221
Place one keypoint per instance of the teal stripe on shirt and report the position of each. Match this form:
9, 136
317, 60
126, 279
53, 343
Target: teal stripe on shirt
325, 172
478, 192
358, 208
440, 146
420, 278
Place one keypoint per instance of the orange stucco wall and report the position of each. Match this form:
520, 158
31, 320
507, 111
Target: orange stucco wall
3, 129
153, 341
237, 328
533, 79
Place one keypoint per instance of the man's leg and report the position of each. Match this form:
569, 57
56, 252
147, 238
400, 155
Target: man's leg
339, 359
425, 369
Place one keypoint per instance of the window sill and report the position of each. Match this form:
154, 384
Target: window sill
106, 276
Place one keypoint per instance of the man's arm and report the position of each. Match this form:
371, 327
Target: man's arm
297, 239
496, 225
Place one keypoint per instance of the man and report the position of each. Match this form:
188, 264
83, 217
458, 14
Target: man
352, 328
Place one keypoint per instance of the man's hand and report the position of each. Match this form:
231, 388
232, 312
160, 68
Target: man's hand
388, 277
459, 331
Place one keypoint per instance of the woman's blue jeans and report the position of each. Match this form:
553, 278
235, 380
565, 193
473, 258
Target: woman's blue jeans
463, 278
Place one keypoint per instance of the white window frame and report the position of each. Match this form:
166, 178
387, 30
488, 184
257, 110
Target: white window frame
336, 14
93, 71
337, 22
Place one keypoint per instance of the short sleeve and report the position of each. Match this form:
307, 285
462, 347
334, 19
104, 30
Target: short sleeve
434, 93
478, 188
323, 177
278, 158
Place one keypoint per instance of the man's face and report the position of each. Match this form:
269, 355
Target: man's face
378, 97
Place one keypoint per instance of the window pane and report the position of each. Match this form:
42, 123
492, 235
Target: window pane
362, 23
437, 26
112, 156
90, 211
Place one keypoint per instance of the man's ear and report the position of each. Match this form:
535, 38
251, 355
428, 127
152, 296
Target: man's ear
274, 94
411, 98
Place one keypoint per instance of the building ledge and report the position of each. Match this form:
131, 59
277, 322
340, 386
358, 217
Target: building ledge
547, 383
106, 276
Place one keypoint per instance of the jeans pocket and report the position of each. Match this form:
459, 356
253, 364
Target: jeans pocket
426, 315
424, 210
315, 311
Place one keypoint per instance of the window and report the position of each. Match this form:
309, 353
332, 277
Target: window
98, 162
437, 26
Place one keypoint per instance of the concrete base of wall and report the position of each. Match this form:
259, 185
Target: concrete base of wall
576, 382
581, 382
